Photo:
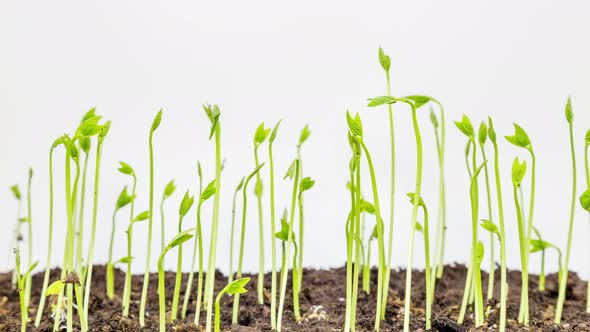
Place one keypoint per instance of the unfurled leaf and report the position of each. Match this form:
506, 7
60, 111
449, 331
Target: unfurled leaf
85, 144
306, 184
142, 216
354, 124
125, 168
585, 200
569, 113
261, 134
381, 100
179, 239
273, 134
282, 234
208, 192
89, 127
465, 126
482, 136
433, 118
490, 227
420, 202
479, 252
384, 60
170, 188
367, 207
258, 188
124, 260
16, 192
518, 171
237, 286
520, 137
55, 288
538, 245
186, 204
491, 131
291, 170
89, 114
156, 122
418, 100
124, 198
305, 132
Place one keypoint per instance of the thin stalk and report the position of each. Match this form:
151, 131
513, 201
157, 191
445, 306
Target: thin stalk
531, 203
260, 286
178, 279
427, 271
542, 274
490, 292
49, 243
199, 240
232, 231
288, 251
80, 247
357, 240
21, 295
127, 287
564, 276
273, 277
110, 267
349, 234
29, 278
523, 260
294, 280
162, 294
440, 148
587, 168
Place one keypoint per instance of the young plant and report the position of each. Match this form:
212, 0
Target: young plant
273, 274
569, 115
168, 191
259, 138
179, 239
503, 282
293, 174
123, 200
233, 288
539, 245
493, 230
236, 306
518, 172
28, 279
128, 170
146, 275
21, 281
587, 193
303, 136
185, 206
55, 144
203, 196
213, 113
18, 235
367, 208
428, 284
230, 276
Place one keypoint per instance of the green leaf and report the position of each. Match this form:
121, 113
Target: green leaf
433, 118
569, 113
384, 60
258, 188
273, 134
170, 188
208, 192
237, 286
518, 171
89, 114
23, 219
58, 141
491, 131
282, 234
16, 192
124, 260
85, 144
367, 207
479, 252
520, 137
156, 122
104, 130
125, 168
142, 216
483, 133
241, 184
199, 169
30, 269
354, 124
381, 100
89, 127
124, 198
186, 204
305, 132
291, 170
465, 126
55, 288
490, 227
418, 100
419, 227
213, 113
261, 134
73, 150
538, 245
305, 184
420, 202
585, 200
179, 239
588, 137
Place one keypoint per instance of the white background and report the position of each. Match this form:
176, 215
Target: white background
303, 63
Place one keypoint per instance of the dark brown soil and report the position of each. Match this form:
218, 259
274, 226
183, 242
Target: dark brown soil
322, 304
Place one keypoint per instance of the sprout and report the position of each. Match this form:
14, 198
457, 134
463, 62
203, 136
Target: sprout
587, 168
21, 281
185, 206
259, 138
273, 288
123, 200
563, 279
128, 170
146, 275
539, 245
233, 288
231, 234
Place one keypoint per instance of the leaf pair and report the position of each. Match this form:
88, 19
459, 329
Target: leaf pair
355, 126
305, 132
236, 287
261, 134
283, 233
125, 168
490, 227
305, 184
465, 126
169, 190
520, 137
518, 171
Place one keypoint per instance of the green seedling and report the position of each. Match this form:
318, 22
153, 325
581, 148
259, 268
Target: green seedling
427, 270
146, 275
185, 206
539, 245
168, 191
233, 288
21, 281
503, 283
303, 136
518, 173
232, 231
283, 236
367, 208
203, 196
29, 221
179, 239
587, 168
213, 113
126, 169
273, 274
494, 232
18, 235
569, 115
123, 200
259, 138
293, 174
236, 304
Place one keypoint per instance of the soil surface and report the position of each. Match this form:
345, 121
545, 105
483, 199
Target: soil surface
322, 304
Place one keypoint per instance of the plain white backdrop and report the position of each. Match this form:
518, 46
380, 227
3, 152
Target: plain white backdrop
305, 63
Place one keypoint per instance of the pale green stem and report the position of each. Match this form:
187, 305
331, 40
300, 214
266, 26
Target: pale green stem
178, 280
523, 260
110, 268
357, 248
79, 247
273, 289
127, 287
442, 193
230, 276
29, 278
260, 287
490, 292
